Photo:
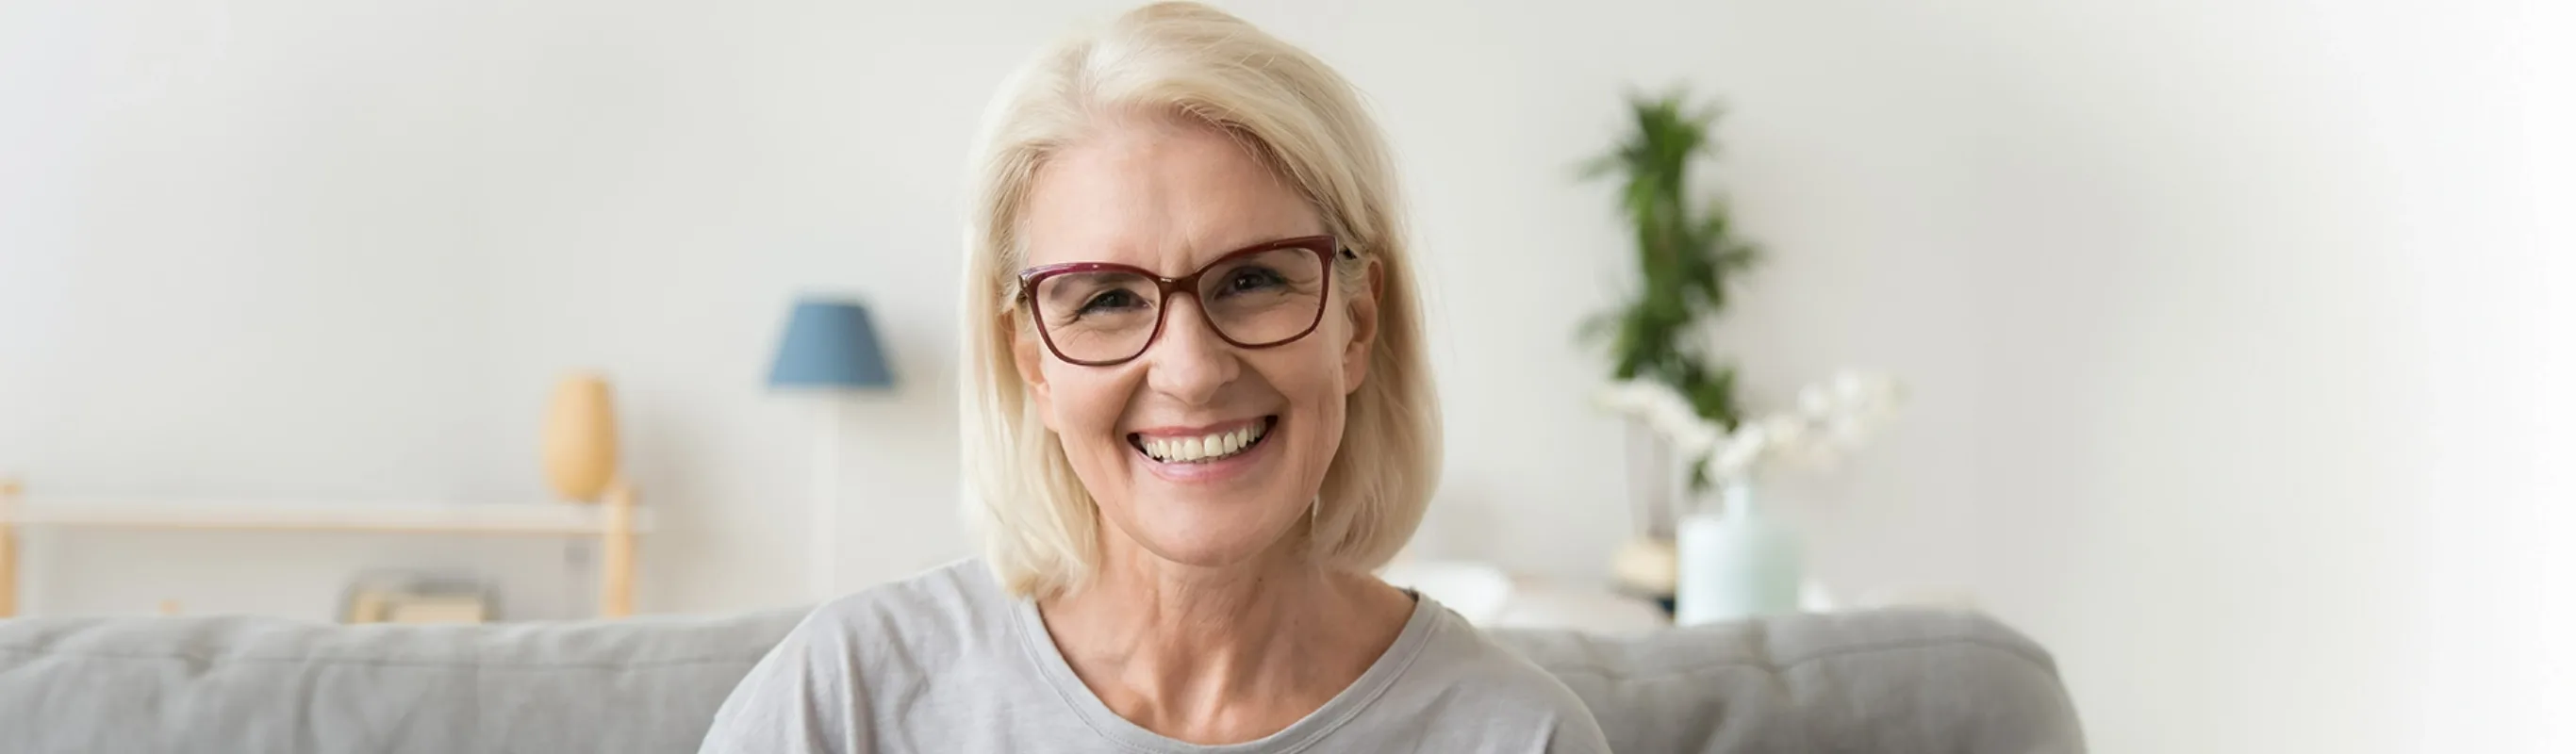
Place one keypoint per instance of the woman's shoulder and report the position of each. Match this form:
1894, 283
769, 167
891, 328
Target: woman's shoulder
830, 679
1461, 658
942, 612
959, 584
1465, 692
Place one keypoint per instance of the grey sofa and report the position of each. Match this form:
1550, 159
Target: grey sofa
1882, 682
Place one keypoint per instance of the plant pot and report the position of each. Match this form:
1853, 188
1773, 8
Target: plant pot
1737, 562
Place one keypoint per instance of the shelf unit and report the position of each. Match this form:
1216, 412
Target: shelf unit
616, 521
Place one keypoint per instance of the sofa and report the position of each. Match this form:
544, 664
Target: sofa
1885, 682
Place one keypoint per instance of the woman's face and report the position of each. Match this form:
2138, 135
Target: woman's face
1171, 198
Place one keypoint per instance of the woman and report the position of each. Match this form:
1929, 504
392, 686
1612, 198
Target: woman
1198, 416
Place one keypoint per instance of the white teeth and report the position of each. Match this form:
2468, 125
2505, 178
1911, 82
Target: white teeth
1205, 447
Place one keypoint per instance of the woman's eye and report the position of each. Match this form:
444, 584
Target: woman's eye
1253, 279
1110, 300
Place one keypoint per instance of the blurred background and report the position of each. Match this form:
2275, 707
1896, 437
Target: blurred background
2235, 335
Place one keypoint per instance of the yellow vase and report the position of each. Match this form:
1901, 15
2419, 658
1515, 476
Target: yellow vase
581, 438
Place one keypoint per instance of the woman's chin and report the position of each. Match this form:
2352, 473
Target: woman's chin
1209, 544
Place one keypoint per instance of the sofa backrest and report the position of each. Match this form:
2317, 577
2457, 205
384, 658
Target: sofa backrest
1877, 681
1889, 681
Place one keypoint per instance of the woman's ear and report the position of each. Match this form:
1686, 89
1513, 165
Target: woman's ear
1363, 311
1029, 360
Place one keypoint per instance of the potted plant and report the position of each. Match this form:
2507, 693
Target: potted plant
1687, 256
1688, 433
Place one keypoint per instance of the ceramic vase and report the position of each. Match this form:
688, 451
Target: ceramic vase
580, 438
1737, 560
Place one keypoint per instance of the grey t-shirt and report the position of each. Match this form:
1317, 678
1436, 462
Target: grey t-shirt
946, 662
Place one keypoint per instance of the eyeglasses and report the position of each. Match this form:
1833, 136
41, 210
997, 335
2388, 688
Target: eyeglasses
1100, 314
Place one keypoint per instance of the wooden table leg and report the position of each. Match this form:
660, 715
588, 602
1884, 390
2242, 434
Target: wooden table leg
8, 548
617, 553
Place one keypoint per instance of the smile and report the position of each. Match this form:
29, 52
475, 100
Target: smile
1206, 448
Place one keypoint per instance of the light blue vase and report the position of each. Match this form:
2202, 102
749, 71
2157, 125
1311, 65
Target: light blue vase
1737, 561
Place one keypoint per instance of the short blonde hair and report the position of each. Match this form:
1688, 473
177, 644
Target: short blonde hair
1040, 526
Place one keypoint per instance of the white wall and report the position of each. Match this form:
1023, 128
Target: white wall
2218, 315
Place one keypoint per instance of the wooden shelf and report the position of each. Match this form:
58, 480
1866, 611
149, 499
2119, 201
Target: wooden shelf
614, 521
421, 517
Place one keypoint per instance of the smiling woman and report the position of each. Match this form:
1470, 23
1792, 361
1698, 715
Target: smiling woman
1150, 190
1198, 417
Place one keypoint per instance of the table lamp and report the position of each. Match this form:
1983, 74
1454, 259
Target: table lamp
829, 350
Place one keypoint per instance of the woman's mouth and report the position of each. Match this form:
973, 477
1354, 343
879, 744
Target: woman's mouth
1207, 448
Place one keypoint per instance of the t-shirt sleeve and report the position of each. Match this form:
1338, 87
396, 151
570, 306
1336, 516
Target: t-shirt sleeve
1571, 729
1576, 732
801, 698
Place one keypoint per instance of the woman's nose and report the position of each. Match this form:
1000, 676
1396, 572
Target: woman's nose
1189, 362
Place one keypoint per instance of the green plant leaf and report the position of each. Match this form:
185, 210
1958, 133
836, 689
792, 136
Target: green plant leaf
1687, 258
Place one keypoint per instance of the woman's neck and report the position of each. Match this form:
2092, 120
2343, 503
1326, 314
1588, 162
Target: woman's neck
1221, 654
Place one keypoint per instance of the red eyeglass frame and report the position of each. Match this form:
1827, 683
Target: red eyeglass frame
1324, 248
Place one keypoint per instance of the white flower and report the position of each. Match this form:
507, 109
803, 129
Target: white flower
1735, 461
1786, 431
1865, 394
1817, 400
1803, 441
1832, 418
1663, 410
1697, 440
1862, 402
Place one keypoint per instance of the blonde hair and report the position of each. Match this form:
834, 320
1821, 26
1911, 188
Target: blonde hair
1040, 526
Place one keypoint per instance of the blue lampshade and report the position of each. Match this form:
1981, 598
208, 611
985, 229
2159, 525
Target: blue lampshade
830, 345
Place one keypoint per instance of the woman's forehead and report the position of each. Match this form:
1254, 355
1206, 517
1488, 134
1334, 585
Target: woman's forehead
1156, 198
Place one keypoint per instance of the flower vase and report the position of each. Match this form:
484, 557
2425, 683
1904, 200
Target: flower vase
580, 438
1737, 561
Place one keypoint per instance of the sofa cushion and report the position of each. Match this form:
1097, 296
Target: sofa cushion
1879, 681
1887, 681
238, 684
